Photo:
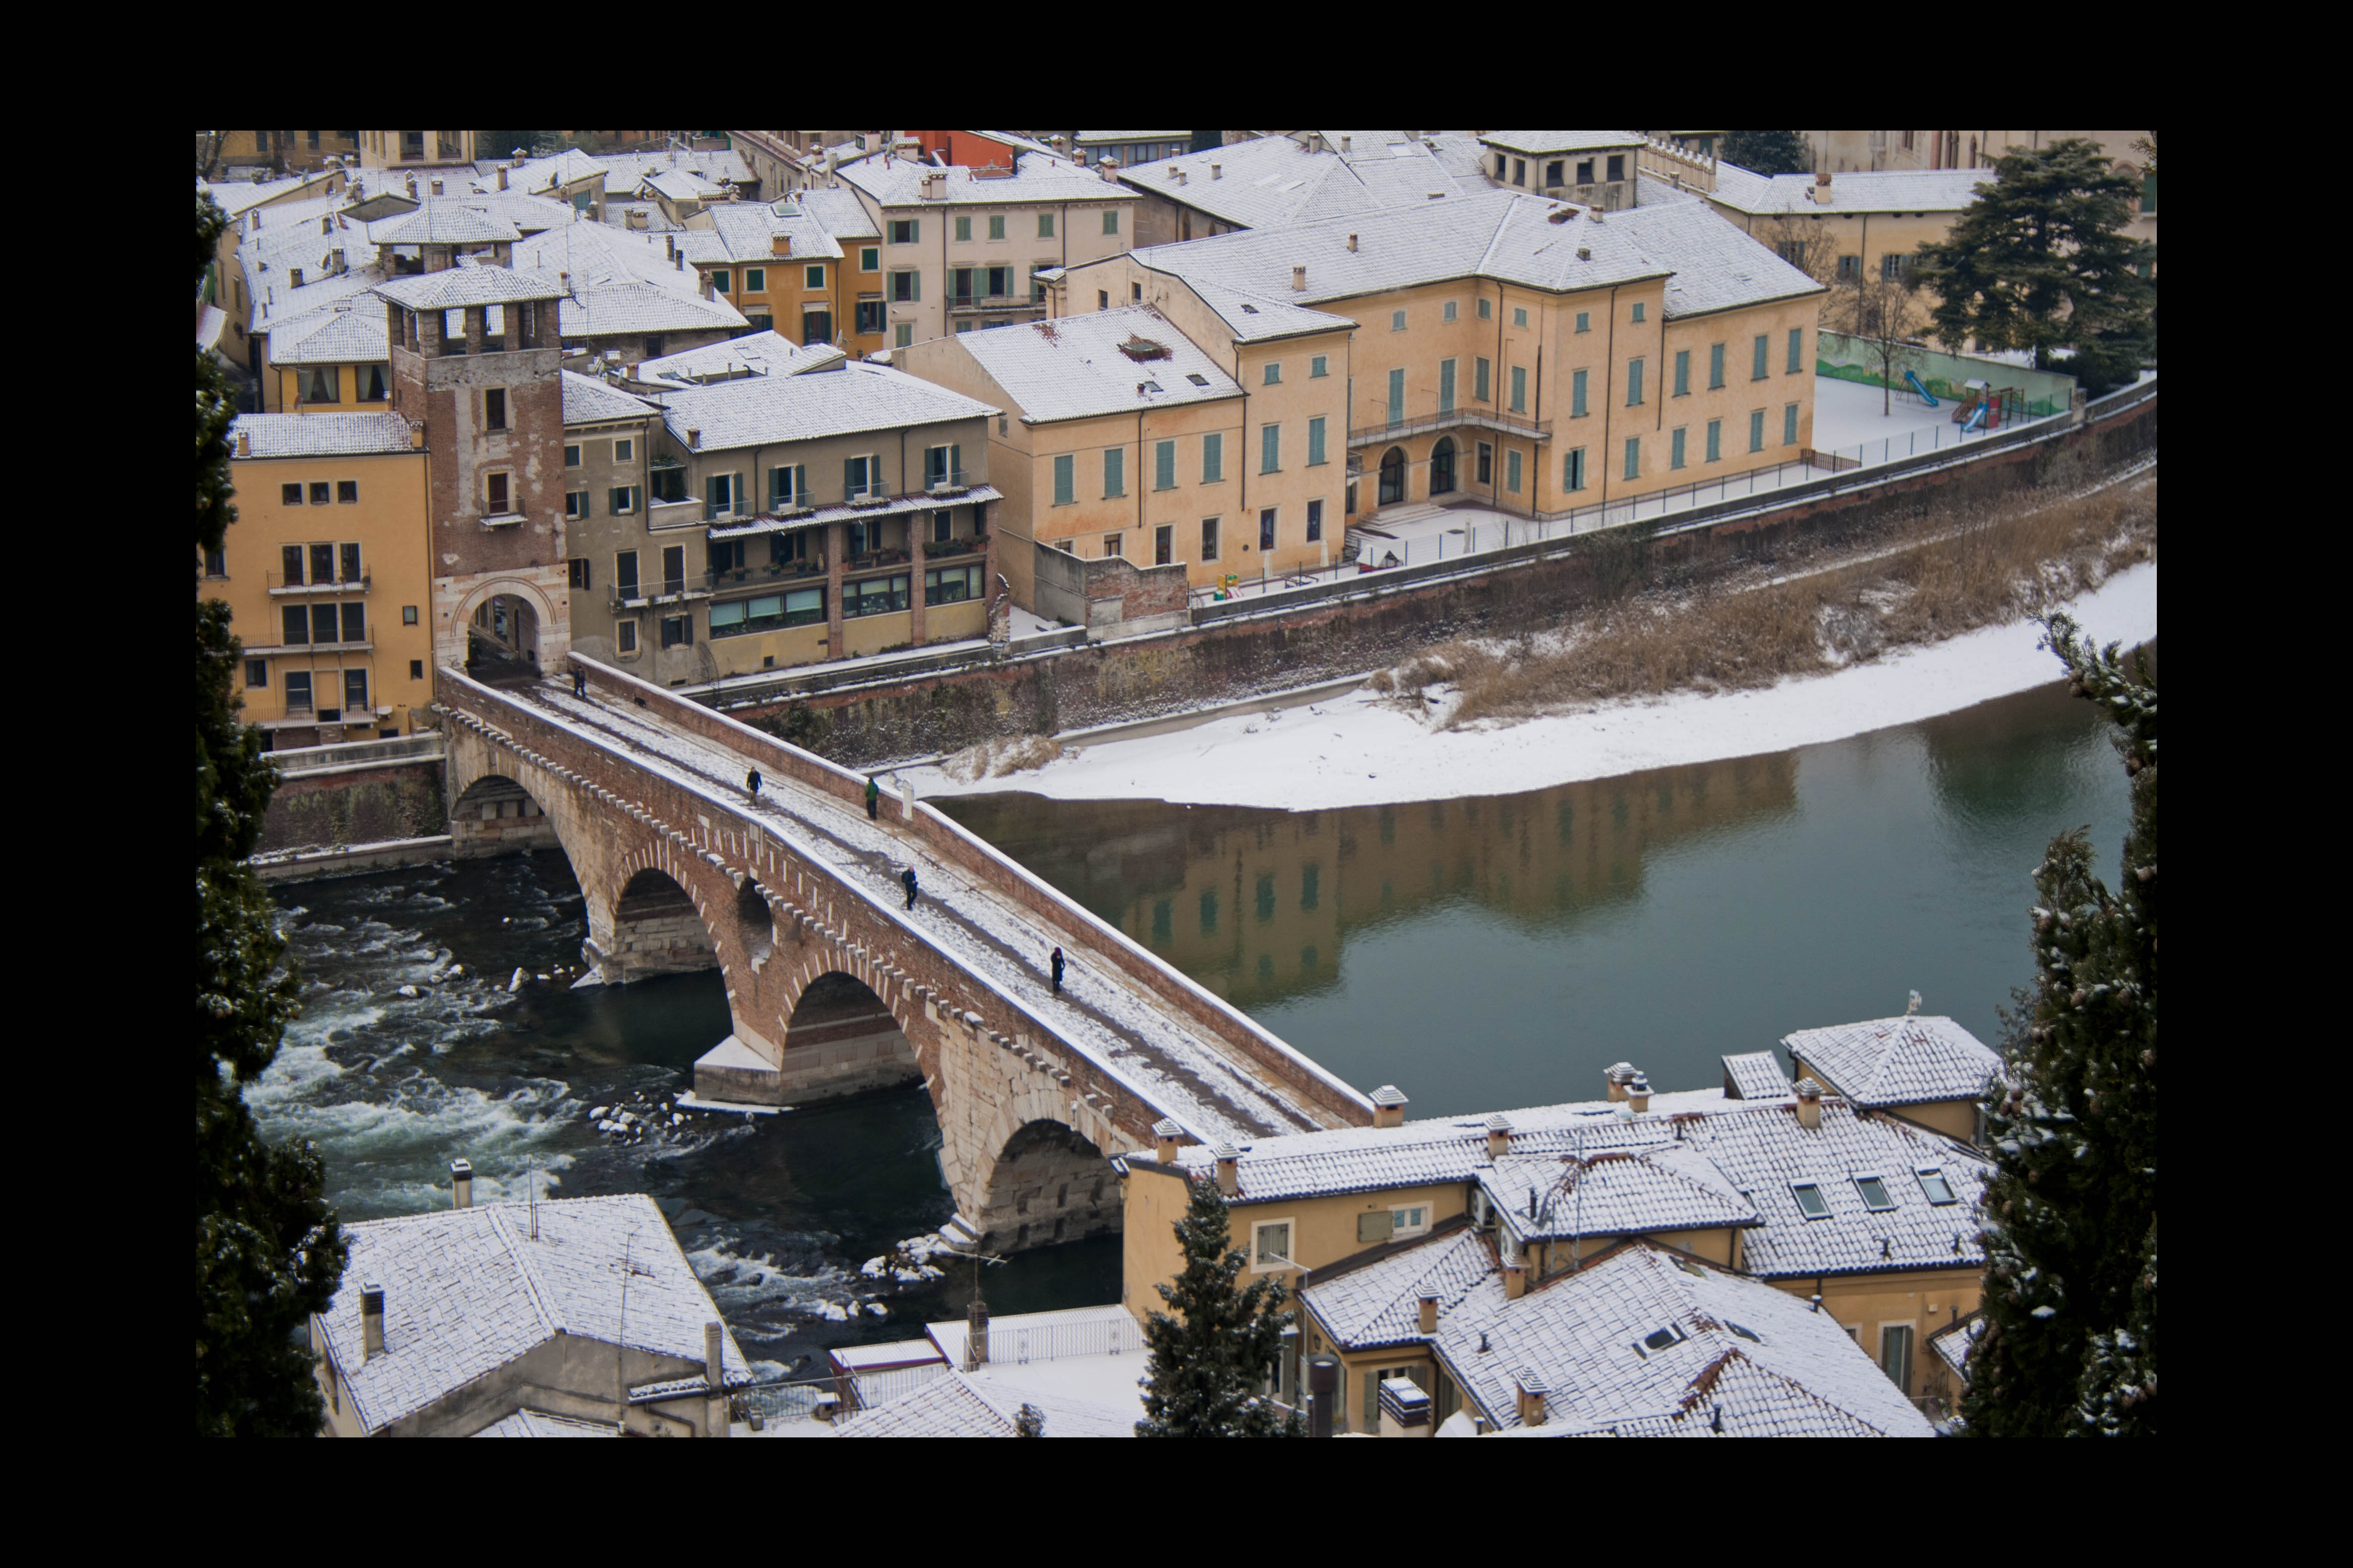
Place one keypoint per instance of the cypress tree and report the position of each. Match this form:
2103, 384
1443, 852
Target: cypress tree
2041, 261
268, 1249
2069, 1342
1212, 1351
1767, 152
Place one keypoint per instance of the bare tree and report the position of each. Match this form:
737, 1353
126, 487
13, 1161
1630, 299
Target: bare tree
208, 152
1884, 316
1803, 243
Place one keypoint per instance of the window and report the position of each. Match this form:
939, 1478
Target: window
943, 466
1572, 470
1486, 464
1585, 170
1553, 171
943, 527
1665, 1339
1759, 367
1163, 544
1482, 378
1410, 1221
674, 568
1397, 321
1486, 310
1213, 458
298, 692
653, 346
355, 691
216, 563
1617, 166
1269, 448
1577, 386
1874, 1194
1896, 1354
1849, 268
1714, 366
906, 230
1314, 522
576, 573
320, 490
870, 315
1274, 374
320, 385
1319, 366
1271, 1244
1633, 457
906, 287
1715, 441
756, 279
869, 258
1934, 1186
1675, 449
1683, 372
1208, 539
373, 387
572, 455
800, 607
1519, 316
322, 563
1789, 425
1045, 225
1637, 316
862, 478
1585, 321
1797, 350
1163, 465
494, 408
996, 225
1102, 298
1113, 546
1895, 268
407, 614
962, 229
625, 574
1111, 221
1447, 312
1315, 441
622, 500
1001, 283
1512, 470
1114, 472
257, 673
1446, 386
722, 280
1811, 1202
1792, 251
902, 335
948, 585
1499, 165
495, 494
2148, 192
1519, 171
1519, 389
1065, 484
1756, 431
575, 505
1266, 529
677, 631
1633, 381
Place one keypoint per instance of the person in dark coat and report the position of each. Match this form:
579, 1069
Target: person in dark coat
752, 783
873, 798
907, 880
579, 681
1058, 972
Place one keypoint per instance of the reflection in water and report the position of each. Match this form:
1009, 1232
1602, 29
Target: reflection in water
1501, 952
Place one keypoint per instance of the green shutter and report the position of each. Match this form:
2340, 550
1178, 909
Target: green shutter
1675, 455
1315, 440
1446, 386
1633, 381
1756, 431
1715, 365
1269, 448
1761, 369
1715, 440
1163, 465
1683, 372
1377, 1226
1577, 394
1790, 425
1633, 457
1796, 348
1478, 382
1396, 397
1512, 470
1519, 389
1065, 483
1115, 471
1213, 458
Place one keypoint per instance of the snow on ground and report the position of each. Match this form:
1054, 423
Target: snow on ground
1848, 422
1359, 751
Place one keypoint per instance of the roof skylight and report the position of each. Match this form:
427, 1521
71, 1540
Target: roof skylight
1932, 1184
1811, 1202
1874, 1194
1744, 1331
1197, 378
1658, 1339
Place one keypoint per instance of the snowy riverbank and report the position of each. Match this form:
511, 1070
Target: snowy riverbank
1356, 750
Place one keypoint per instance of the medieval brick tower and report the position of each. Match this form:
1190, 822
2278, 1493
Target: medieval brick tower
474, 353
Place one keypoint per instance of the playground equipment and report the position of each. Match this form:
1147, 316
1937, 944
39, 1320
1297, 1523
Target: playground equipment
1913, 382
1976, 421
1984, 407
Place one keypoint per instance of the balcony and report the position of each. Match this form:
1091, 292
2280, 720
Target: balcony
977, 304
670, 591
674, 513
282, 587
1473, 415
947, 483
773, 571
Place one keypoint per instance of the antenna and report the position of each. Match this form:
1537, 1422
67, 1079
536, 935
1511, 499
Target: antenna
621, 1341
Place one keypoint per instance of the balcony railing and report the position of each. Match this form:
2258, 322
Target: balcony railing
674, 513
991, 301
280, 586
951, 479
1475, 415
669, 590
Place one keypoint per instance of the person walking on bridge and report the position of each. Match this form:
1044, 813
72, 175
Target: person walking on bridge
907, 880
579, 681
873, 797
1058, 972
752, 784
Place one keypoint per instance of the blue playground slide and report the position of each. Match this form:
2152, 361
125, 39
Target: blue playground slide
1914, 383
1976, 420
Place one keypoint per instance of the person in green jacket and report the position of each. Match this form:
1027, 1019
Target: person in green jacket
873, 798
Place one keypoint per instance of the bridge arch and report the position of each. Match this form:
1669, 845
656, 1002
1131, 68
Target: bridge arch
511, 619
1047, 1183
657, 928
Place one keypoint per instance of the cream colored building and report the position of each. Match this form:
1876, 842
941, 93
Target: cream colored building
1533, 355
415, 149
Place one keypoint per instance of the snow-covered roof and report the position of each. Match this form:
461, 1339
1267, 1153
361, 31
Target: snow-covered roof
455, 287
600, 254
626, 171
842, 214
946, 1407
1643, 1334
352, 332
745, 232
1755, 1075
898, 183
1707, 263
1259, 318
684, 186
1086, 138
1274, 180
568, 167
320, 435
1957, 1341
443, 221
1897, 190
1613, 1192
1910, 1060
885, 1356
1102, 361
757, 354
759, 410
467, 1291
238, 196
539, 1424
1553, 144
588, 401
596, 310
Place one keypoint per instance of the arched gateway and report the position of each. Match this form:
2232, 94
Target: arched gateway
832, 986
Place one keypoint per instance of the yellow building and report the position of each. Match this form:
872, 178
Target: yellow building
414, 149
1923, 1068
1846, 226
325, 575
1123, 440
1532, 355
779, 266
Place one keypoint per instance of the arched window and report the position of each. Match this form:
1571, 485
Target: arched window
1392, 476
1441, 465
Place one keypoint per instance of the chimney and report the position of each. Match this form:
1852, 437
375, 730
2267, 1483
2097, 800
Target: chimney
502, 177
1516, 1280
1165, 1132
563, 281
714, 1373
412, 187
678, 260
780, 245
1299, 279
694, 440
1352, 242
1822, 181
462, 1184
295, 278
1616, 1076
437, 188
1343, 145
706, 286
416, 436
371, 1322
245, 443
326, 223
1533, 1389
1913, 1005
1228, 1159
1638, 1093
1429, 1319
1499, 1135
975, 1335
1388, 1106
1809, 1104
1217, 171
669, 246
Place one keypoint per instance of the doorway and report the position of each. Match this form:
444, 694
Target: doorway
1441, 465
1392, 476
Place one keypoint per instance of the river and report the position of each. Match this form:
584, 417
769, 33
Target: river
1479, 954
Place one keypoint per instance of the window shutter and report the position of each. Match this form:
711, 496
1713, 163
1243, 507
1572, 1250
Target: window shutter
1376, 1226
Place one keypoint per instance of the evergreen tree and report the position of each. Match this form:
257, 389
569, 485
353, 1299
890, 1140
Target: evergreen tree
1209, 1354
1767, 152
268, 1249
2069, 1342
2041, 261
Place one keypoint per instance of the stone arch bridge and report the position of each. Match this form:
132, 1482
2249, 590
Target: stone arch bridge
832, 985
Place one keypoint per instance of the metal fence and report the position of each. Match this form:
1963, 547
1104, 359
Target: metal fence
1056, 1342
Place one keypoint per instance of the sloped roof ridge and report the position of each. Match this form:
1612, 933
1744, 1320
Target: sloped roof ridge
549, 1318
